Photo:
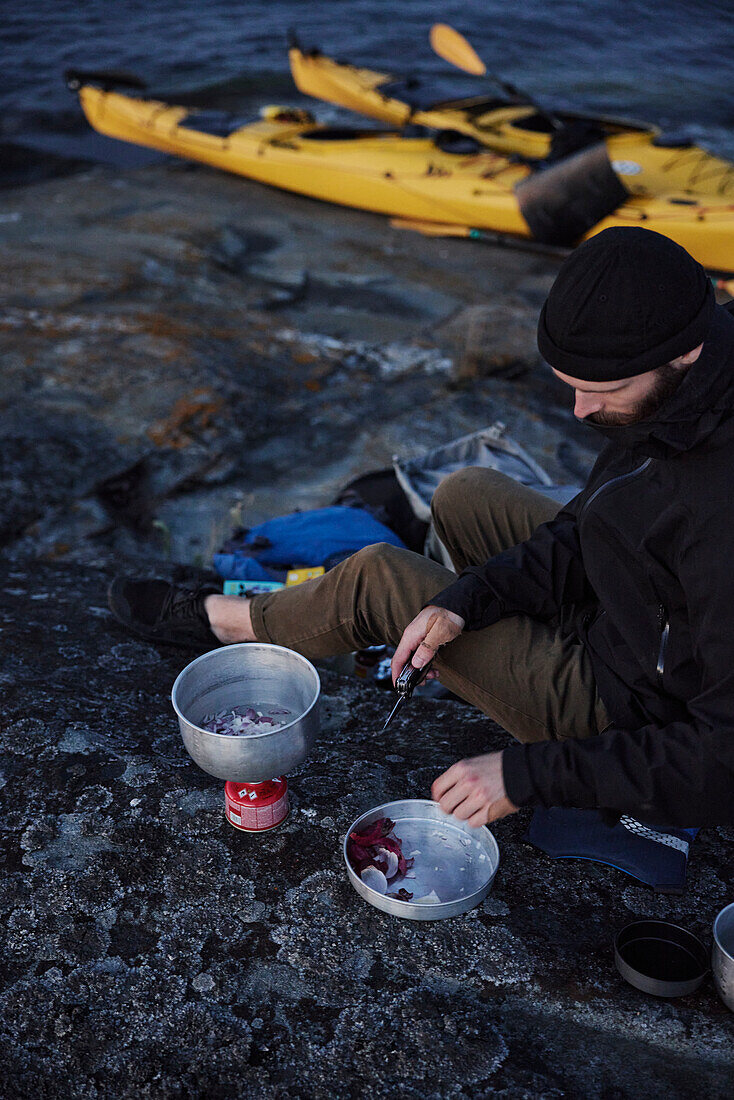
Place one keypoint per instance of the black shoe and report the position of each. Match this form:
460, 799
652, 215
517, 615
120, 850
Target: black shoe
163, 612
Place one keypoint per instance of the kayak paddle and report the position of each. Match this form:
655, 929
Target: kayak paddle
443, 229
454, 48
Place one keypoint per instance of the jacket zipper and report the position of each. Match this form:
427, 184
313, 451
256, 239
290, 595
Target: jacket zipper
665, 634
664, 622
614, 481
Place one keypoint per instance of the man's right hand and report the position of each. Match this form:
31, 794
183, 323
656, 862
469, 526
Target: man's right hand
430, 629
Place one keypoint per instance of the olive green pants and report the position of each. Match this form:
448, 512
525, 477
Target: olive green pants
518, 671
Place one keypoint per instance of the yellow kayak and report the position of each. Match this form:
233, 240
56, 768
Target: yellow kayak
647, 162
404, 177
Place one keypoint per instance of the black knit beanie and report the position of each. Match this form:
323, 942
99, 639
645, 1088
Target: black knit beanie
626, 301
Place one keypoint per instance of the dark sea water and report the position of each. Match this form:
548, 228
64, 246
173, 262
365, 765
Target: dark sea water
671, 63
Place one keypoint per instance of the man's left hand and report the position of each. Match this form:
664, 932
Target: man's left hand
474, 790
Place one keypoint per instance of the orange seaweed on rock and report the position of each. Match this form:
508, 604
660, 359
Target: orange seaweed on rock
191, 413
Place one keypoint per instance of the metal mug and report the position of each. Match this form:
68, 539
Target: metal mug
246, 673
722, 955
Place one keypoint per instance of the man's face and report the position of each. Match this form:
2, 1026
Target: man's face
631, 399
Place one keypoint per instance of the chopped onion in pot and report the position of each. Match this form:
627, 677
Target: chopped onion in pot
244, 721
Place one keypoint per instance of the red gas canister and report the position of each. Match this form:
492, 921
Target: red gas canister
255, 807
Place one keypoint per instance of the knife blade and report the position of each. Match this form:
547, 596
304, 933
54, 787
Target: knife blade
400, 700
405, 684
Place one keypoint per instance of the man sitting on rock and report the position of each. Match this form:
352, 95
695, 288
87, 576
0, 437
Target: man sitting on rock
601, 636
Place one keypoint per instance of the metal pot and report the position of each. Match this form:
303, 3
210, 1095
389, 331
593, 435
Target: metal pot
722, 955
243, 674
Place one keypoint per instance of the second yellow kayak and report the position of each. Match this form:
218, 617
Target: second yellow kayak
647, 162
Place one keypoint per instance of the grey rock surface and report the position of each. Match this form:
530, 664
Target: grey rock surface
182, 347
493, 339
151, 950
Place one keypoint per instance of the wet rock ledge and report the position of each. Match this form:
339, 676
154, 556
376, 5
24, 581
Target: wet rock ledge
151, 950
181, 346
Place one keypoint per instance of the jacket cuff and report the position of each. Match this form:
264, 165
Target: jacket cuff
468, 598
552, 773
519, 787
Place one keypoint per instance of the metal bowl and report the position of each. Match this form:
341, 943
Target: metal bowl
722, 955
660, 958
243, 674
456, 861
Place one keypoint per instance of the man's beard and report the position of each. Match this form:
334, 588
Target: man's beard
667, 380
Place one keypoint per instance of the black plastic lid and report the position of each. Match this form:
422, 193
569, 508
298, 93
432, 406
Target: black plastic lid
660, 958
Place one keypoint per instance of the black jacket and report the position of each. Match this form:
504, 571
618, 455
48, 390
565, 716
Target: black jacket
640, 566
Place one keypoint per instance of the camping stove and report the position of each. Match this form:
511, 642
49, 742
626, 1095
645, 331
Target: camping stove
226, 678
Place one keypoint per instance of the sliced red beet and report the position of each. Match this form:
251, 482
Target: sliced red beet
401, 895
393, 845
356, 851
371, 861
374, 834
363, 849
390, 843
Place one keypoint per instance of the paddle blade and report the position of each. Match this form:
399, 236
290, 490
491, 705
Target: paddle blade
454, 48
